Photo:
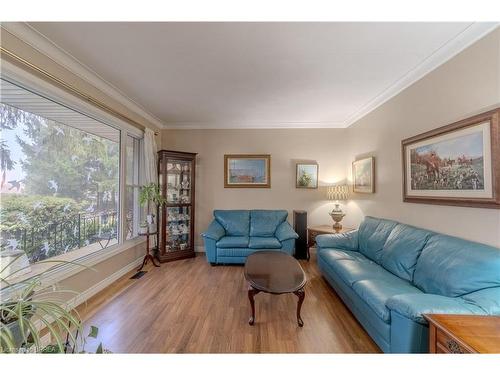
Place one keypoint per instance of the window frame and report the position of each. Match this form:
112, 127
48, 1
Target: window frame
39, 86
137, 163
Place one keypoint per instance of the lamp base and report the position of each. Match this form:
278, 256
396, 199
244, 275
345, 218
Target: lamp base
337, 217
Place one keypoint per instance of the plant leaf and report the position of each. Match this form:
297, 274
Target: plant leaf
93, 332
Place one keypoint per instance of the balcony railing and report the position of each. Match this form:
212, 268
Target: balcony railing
61, 237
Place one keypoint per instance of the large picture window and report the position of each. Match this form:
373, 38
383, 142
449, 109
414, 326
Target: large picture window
60, 179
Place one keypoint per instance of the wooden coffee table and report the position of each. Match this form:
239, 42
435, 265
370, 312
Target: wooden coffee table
274, 272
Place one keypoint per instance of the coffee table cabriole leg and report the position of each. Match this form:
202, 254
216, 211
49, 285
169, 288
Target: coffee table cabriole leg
301, 294
251, 293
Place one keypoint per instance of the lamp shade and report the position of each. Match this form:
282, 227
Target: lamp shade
338, 193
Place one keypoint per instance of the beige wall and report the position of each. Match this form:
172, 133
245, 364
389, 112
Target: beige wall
325, 146
89, 278
465, 85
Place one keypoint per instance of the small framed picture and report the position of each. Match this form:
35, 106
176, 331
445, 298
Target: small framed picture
363, 175
306, 176
247, 171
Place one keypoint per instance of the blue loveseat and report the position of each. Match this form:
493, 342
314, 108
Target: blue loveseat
235, 234
389, 274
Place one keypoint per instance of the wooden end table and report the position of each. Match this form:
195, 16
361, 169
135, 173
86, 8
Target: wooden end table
449, 333
312, 232
148, 255
274, 272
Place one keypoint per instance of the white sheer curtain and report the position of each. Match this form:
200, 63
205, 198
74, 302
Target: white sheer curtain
150, 158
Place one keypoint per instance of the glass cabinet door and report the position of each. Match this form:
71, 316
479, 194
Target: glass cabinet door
179, 199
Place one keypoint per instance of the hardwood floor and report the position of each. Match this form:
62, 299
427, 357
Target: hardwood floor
188, 306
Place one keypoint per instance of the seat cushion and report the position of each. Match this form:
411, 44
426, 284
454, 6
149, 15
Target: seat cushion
352, 271
331, 255
264, 243
402, 249
372, 234
452, 267
235, 222
376, 292
232, 241
263, 223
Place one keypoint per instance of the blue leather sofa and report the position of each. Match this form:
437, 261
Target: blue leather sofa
235, 234
389, 274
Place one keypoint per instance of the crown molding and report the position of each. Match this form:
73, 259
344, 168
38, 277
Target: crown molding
42, 44
447, 51
253, 125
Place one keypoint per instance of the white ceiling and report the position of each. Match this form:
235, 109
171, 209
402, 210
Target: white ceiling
219, 75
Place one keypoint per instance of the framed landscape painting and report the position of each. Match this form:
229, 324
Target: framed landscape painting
247, 171
457, 164
306, 176
363, 175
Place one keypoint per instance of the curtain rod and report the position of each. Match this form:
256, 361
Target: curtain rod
71, 89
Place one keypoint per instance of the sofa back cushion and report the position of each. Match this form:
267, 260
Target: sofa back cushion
235, 222
402, 249
372, 234
452, 267
263, 223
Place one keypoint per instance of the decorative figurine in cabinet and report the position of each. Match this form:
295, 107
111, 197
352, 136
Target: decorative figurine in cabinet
176, 176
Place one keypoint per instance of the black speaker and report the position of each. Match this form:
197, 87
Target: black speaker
300, 226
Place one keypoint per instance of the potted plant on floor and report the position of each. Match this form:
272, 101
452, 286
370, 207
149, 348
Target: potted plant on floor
29, 311
150, 197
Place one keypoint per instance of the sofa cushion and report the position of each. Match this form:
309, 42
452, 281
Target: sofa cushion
402, 249
233, 241
331, 255
351, 271
376, 292
372, 234
264, 243
263, 223
452, 267
235, 222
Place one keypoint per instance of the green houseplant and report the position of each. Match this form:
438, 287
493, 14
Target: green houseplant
29, 311
149, 196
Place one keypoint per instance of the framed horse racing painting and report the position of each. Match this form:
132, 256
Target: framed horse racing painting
457, 164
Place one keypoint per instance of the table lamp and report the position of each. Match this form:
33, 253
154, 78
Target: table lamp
337, 193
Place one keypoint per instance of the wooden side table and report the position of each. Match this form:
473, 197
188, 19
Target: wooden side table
312, 232
148, 255
457, 334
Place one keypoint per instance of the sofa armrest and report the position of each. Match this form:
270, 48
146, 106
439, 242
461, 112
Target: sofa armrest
413, 306
285, 232
215, 231
345, 241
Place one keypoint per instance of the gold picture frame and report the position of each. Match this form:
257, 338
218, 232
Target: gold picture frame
363, 175
247, 171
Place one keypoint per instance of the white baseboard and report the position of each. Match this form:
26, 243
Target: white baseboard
93, 290
199, 249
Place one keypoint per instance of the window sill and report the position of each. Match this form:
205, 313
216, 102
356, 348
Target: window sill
83, 258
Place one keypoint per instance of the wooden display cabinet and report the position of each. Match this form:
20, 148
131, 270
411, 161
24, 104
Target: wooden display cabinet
176, 176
